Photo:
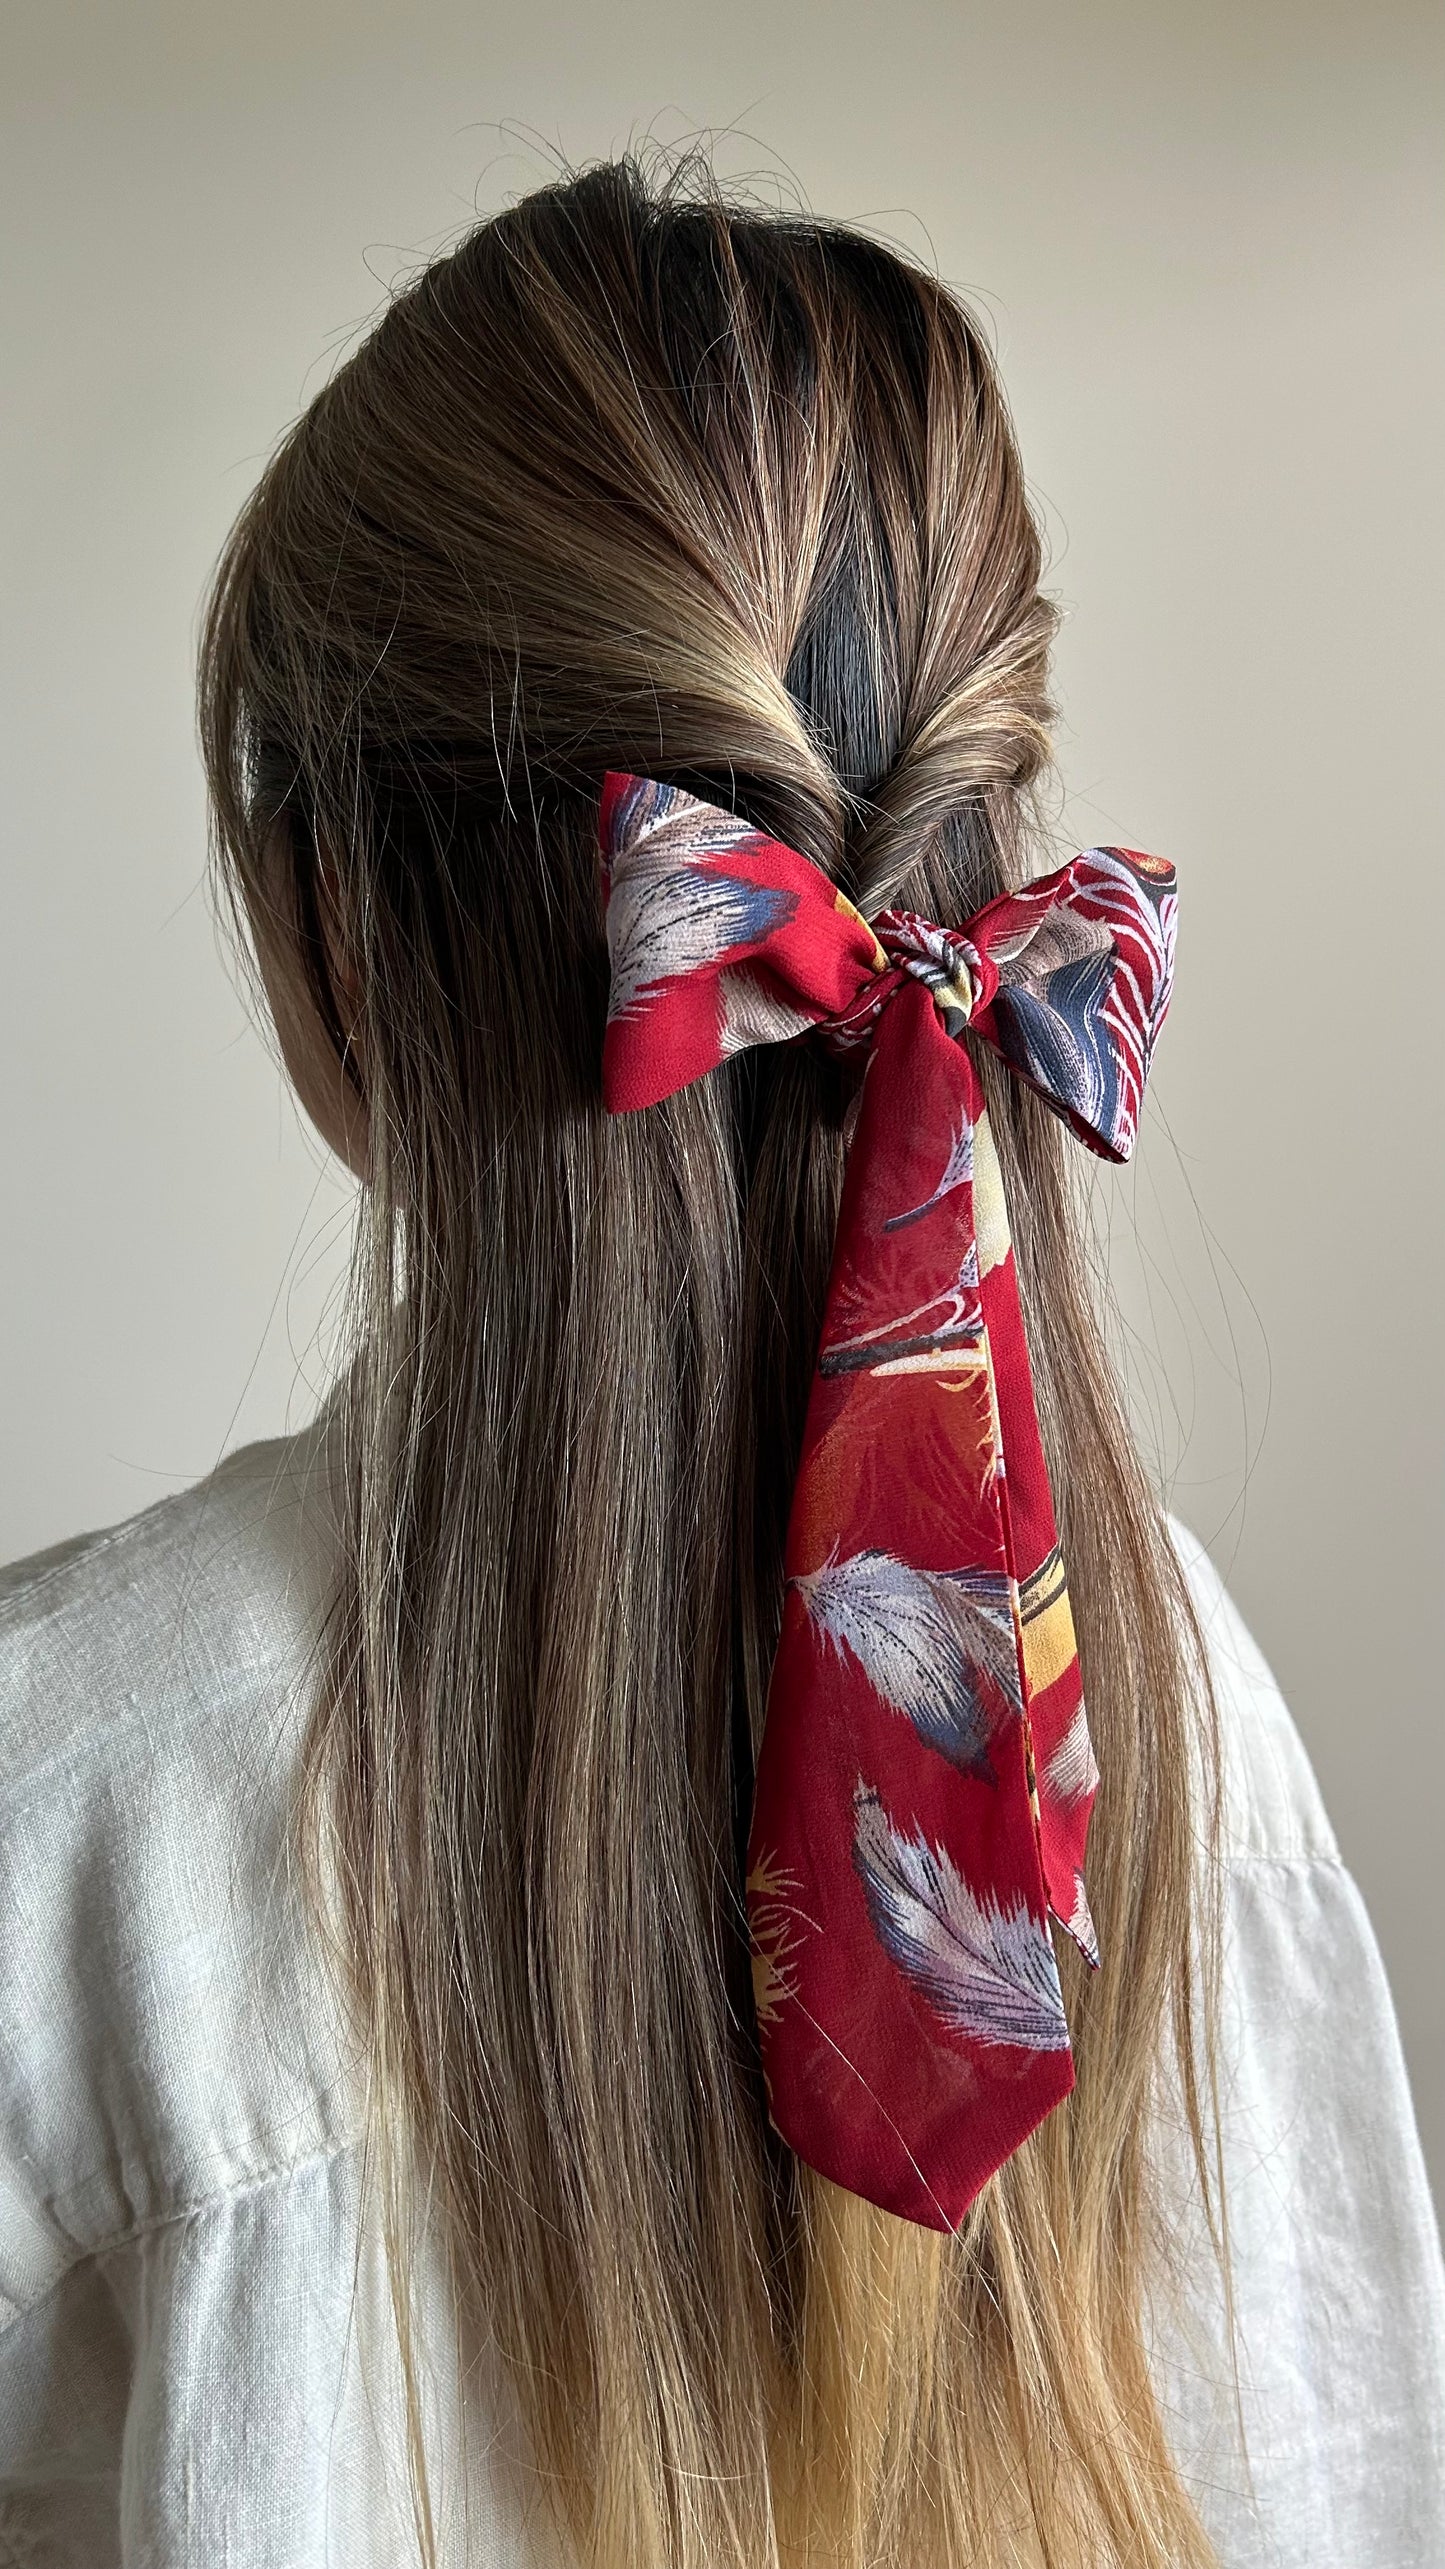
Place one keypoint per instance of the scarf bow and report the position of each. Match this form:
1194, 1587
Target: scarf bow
925, 1777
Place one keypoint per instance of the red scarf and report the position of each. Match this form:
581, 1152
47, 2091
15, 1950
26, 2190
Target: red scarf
925, 1779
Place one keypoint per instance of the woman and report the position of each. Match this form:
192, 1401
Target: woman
533, 2027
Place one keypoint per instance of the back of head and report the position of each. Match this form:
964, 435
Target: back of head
635, 479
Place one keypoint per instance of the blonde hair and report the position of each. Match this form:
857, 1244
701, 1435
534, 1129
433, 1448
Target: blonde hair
639, 478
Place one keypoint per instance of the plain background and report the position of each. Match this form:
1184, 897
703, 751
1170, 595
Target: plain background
1208, 241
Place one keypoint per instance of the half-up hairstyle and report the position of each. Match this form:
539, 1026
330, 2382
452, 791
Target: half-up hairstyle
638, 479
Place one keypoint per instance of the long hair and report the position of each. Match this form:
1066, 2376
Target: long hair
639, 478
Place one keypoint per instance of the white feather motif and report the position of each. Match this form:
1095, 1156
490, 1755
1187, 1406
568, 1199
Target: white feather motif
1071, 1771
988, 1971
752, 1014
957, 1171
1080, 1923
666, 918
922, 1638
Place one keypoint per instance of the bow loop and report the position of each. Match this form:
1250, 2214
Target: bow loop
925, 1779
1085, 965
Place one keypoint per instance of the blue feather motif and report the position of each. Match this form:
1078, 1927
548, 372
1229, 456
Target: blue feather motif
665, 920
1058, 1035
988, 1971
923, 1639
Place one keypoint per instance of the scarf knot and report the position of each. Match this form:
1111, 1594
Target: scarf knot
948, 964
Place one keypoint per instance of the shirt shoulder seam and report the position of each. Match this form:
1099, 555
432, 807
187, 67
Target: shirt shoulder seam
22, 1584
257, 2182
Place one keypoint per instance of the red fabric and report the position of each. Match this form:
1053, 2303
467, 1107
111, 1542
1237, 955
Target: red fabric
925, 1781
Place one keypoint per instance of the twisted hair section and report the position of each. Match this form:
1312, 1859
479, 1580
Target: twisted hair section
639, 478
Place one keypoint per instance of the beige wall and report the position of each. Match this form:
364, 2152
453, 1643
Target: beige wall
1209, 238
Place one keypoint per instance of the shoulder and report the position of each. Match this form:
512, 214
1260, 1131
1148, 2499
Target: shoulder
1272, 1808
257, 1513
1307, 2384
165, 2032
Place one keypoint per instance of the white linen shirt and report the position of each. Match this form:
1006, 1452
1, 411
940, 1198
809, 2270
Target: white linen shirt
194, 2341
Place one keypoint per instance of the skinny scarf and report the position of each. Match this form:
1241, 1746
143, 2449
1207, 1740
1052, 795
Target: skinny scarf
925, 1776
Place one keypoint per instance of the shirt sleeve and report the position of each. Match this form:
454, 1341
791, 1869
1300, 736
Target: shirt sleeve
1307, 2396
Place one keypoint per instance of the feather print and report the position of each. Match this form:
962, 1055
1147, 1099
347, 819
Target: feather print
987, 1969
665, 920
957, 1171
1057, 1035
750, 1013
923, 1638
1086, 1033
1142, 932
666, 828
1080, 1924
952, 1318
1071, 1771
1058, 933
773, 1921
962, 1308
